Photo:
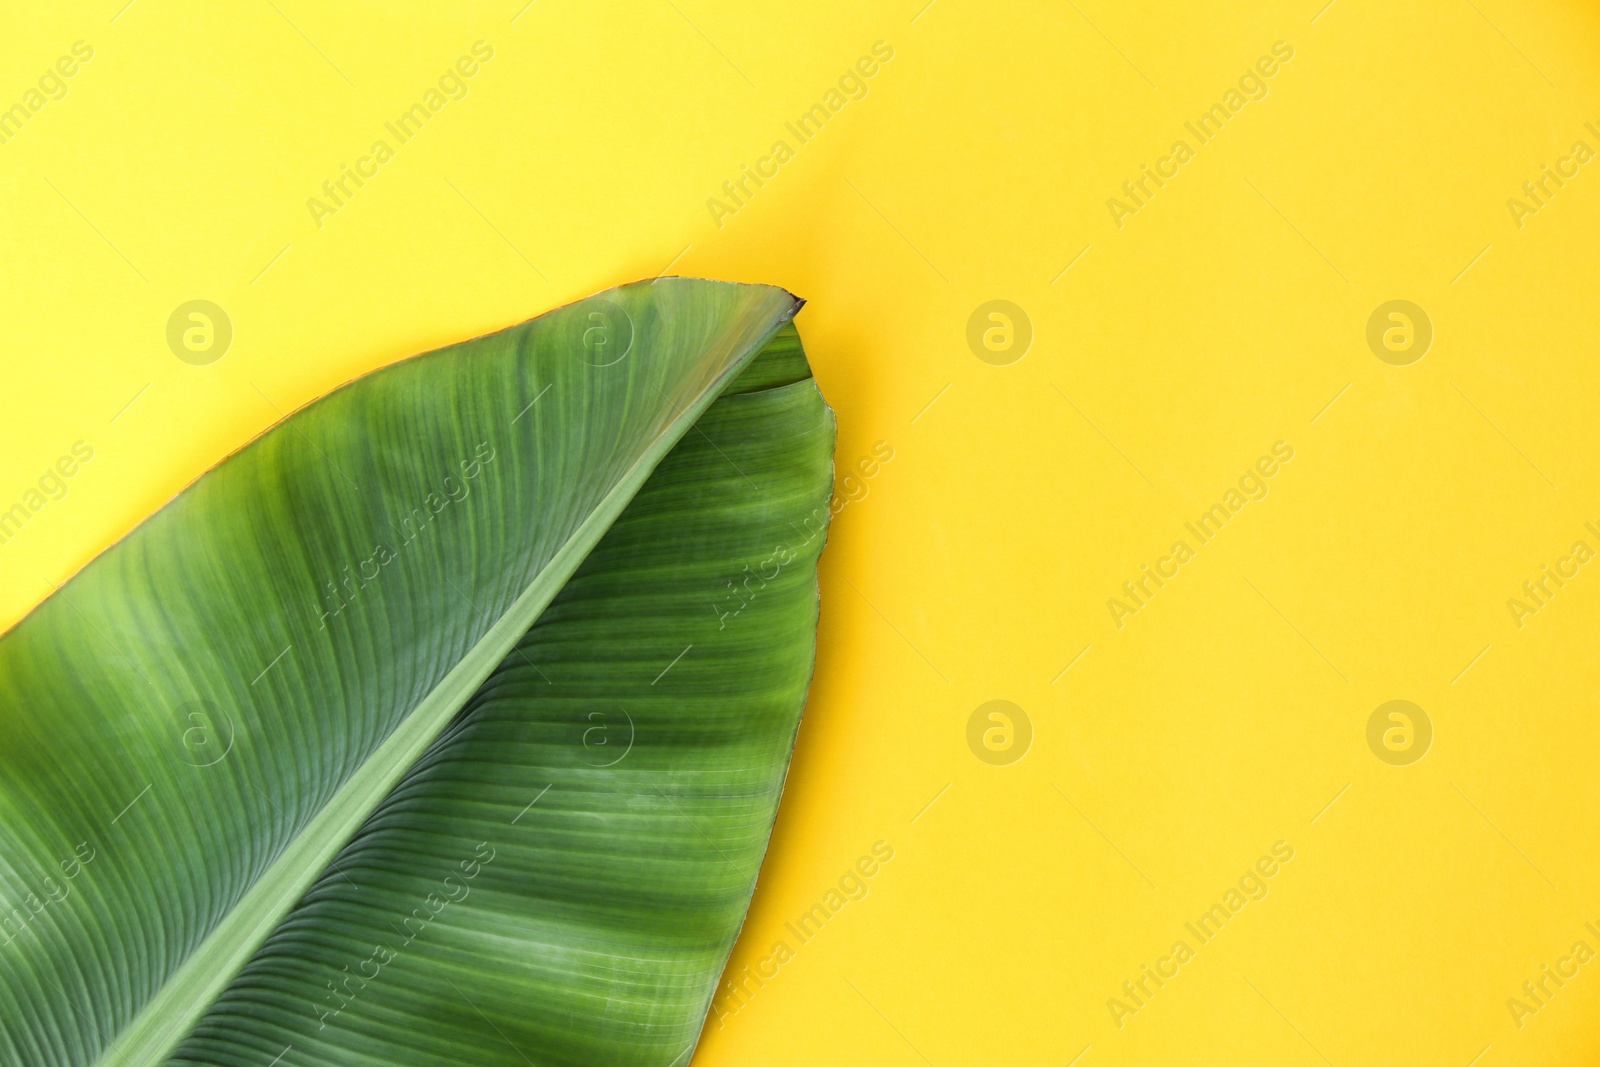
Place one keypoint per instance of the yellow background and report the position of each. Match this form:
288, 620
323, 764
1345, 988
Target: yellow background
1228, 714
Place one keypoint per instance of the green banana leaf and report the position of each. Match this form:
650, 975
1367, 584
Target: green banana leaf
444, 723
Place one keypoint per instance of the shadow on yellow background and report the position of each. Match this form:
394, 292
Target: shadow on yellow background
1196, 502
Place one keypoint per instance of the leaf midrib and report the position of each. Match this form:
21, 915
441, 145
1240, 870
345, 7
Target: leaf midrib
171, 1013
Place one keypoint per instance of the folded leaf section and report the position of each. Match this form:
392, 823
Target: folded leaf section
560, 879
